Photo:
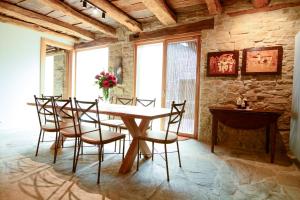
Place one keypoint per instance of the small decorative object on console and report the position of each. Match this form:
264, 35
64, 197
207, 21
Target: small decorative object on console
242, 102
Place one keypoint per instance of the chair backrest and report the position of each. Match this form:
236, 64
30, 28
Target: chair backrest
175, 117
64, 111
45, 109
145, 102
88, 112
124, 101
54, 96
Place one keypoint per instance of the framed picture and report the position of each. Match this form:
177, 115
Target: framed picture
222, 63
262, 61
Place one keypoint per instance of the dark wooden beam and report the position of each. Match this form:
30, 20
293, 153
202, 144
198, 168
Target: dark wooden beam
214, 7
9, 20
173, 31
69, 11
160, 9
264, 9
96, 43
29, 16
117, 14
260, 3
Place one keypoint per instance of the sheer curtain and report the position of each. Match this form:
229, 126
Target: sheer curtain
88, 64
181, 80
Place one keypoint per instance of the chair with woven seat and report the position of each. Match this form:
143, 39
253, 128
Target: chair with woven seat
46, 110
87, 112
165, 137
65, 111
54, 97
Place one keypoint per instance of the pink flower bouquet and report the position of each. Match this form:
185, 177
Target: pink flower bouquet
105, 81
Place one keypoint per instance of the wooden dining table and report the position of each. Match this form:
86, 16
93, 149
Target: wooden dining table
129, 114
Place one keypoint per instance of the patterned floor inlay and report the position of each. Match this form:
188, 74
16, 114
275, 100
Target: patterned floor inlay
227, 174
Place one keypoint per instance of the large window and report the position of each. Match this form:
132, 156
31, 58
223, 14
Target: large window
169, 71
88, 64
149, 74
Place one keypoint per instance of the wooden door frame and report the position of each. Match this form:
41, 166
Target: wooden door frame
69, 61
192, 37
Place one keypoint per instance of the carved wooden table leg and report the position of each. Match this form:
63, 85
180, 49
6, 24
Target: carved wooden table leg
214, 134
134, 130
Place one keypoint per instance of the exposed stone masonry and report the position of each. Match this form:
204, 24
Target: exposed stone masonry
233, 33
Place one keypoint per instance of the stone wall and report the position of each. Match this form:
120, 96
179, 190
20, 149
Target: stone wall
233, 33
273, 92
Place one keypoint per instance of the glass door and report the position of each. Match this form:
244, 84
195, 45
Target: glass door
181, 77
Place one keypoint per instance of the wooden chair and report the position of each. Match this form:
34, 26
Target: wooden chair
166, 137
96, 137
46, 109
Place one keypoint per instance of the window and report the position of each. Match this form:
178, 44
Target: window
149, 74
88, 64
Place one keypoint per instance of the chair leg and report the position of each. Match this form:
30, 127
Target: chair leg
99, 166
123, 148
152, 151
166, 155
102, 153
74, 158
62, 141
57, 135
81, 148
43, 136
178, 153
77, 156
38, 144
138, 157
115, 146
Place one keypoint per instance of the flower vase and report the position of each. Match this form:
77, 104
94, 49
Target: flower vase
105, 92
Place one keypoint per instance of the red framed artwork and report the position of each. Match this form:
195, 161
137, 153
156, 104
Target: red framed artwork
222, 63
262, 61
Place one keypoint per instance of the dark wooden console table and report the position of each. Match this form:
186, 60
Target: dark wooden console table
246, 119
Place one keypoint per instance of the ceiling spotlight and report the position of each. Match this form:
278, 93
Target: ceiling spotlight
84, 4
103, 14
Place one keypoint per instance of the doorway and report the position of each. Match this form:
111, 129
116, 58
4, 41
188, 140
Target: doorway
55, 71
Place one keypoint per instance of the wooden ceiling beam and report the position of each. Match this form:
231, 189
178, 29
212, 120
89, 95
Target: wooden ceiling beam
9, 20
44, 21
68, 10
118, 15
260, 3
161, 10
178, 31
214, 7
96, 43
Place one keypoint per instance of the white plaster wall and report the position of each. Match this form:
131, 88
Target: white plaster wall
295, 120
19, 75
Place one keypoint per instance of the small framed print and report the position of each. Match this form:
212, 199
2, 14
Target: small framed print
262, 61
222, 63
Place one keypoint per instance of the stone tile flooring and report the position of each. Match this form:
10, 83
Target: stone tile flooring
227, 174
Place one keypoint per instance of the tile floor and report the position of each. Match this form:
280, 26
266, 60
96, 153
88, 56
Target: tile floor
227, 174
